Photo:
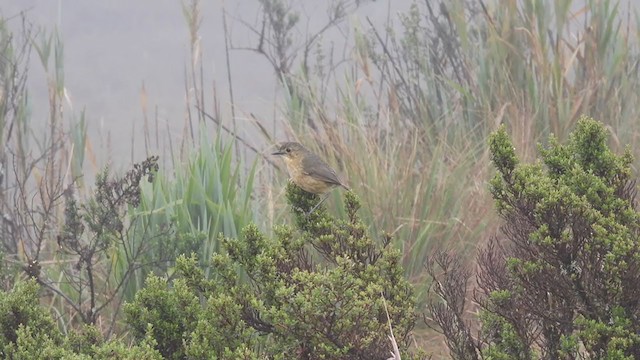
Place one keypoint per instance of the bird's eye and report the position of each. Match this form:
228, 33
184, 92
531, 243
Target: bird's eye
288, 150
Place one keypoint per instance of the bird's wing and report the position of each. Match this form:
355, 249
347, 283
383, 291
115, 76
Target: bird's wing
324, 173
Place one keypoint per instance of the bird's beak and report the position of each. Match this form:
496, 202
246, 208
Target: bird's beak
279, 152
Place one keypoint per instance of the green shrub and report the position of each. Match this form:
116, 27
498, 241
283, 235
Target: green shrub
18, 308
318, 292
173, 313
27, 331
564, 281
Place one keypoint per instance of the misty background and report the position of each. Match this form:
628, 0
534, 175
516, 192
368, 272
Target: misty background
116, 51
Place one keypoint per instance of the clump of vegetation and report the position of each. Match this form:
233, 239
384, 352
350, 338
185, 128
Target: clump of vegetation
27, 331
314, 292
92, 230
407, 124
562, 281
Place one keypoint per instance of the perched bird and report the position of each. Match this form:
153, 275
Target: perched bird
308, 170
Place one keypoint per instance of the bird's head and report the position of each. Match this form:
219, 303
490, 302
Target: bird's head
290, 150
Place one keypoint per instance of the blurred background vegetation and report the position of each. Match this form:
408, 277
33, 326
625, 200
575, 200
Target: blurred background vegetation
404, 119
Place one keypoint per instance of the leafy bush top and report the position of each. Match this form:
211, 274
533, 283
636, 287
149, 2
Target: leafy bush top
565, 280
317, 293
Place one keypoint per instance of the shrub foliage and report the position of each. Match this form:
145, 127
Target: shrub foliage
563, 281
318, 291
27, 331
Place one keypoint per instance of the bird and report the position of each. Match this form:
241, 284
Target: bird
308, 170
